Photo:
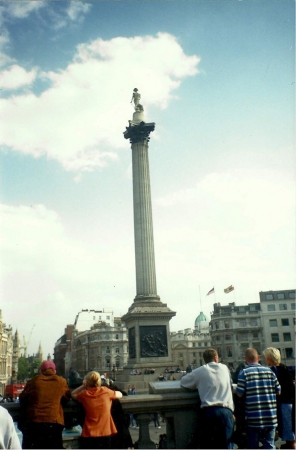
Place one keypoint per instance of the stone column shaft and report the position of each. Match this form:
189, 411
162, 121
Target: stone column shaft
143, 224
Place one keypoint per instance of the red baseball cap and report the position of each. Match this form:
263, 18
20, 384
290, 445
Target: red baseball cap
47, 365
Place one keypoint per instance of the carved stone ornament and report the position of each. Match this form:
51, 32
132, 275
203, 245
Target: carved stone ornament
139, 133
153, 341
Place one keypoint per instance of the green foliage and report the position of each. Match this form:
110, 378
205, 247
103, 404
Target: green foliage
27, 368
23, 367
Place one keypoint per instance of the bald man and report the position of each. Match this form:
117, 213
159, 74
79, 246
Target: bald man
260, 387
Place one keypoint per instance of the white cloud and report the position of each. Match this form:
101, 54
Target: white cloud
236, 226
87, 101
76, 9
16, 77
55, 271
21, 9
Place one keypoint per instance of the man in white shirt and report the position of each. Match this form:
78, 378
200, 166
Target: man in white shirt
213, 381
8, 436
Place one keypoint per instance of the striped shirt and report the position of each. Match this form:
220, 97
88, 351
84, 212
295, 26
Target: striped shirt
260, 386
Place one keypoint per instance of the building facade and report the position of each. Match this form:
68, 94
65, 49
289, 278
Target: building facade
234, 329
278, 321
6, 353
16, 353
103, 347
188, 345
61, 348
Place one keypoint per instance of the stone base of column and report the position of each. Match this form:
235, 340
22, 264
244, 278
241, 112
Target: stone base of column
147, 321
149, 298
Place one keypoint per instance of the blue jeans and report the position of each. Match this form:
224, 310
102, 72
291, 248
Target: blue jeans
217, 425
263, 435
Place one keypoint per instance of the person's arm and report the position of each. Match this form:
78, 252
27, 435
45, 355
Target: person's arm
277, 385
189, 381
118, 394
76, 392
241, 385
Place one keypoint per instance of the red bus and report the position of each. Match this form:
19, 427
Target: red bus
14, 390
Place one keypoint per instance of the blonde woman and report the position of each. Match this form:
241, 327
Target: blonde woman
98, 425
286, 399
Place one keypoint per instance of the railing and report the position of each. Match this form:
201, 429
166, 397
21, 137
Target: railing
179, 410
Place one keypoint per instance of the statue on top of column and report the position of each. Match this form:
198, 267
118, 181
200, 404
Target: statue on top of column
136, 99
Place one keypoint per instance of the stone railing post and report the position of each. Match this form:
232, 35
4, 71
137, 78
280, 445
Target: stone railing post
144, 440
170, 428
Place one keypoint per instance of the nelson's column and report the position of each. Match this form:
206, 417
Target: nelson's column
147, 319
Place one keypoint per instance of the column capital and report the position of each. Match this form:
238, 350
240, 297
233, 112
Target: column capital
138, 133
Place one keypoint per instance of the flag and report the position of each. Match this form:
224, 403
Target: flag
229, 289
211, 291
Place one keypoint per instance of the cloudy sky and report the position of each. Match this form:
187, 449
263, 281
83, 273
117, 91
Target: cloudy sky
217, 78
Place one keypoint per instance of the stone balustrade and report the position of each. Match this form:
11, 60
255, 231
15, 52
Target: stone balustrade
178, 407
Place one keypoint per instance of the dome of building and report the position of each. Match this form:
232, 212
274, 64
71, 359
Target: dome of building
200, 318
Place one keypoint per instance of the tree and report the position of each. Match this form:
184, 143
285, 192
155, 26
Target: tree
27, 368
23, 367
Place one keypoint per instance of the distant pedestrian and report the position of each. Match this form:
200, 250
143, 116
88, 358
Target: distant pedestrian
260, 387
156, 421
285, 401
213, 382
8, 435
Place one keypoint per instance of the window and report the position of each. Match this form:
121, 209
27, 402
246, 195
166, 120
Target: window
242, 308
287, 337
218, 338
217, 325
294, 321
289, 352
226, 324
275, 337
270, 307
194, 354
180, 355
107, 349
116, 349
255, 335
292, 294
228, 337
281, 296
117, 363
229, 351
269, 296
283, 306
242, 323
193, 345
293, 305
253, 308
116, 336
108, 317
285, 322
273, 323
253, 322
